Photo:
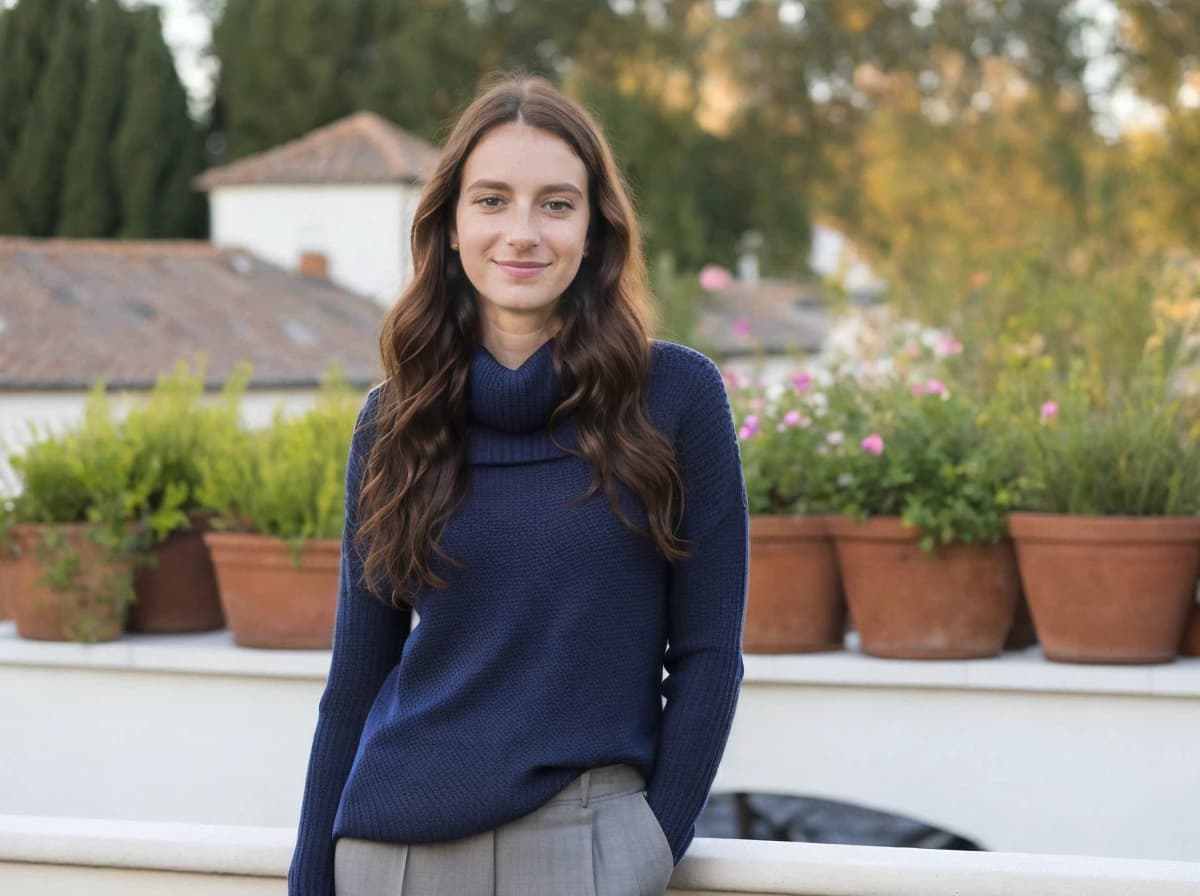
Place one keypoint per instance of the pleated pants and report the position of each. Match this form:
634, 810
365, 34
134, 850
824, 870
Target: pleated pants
597, 837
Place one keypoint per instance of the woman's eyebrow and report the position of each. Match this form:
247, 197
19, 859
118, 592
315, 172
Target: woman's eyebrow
548, 188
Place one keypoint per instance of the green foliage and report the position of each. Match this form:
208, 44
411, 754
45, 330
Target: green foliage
26, 32
156, 147
35, 177
288, 479
787, 439
171, 435
81, 475
282, 65
927, 456
1135, 454
90, 204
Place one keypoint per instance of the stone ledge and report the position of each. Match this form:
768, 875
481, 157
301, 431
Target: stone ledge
711, 866
1023, 670
214, 653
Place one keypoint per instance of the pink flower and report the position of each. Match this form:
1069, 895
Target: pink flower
948, 346
749, 426
933, 387
873, 444
802, 380
741, 326
791, 418
756, 404
732, 379
714, 277
1049, 410
835, 438
745, 433
912, 350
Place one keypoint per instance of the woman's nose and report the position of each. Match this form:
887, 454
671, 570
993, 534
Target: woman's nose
522, 232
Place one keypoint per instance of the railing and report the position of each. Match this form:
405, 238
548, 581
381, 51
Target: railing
97, 857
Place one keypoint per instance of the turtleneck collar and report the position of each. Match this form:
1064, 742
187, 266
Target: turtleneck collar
510, 409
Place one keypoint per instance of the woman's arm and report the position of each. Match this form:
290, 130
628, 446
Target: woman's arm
368, 638
706, 605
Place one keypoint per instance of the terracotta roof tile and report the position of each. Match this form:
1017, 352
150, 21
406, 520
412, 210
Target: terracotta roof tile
781, 316
361, 148
73, 311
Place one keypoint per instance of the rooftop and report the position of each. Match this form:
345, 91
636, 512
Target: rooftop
362, 148
74, 311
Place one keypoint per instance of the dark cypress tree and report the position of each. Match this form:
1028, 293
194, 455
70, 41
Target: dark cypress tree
37, 164
90, 203
155, 148
26, 32
283, 70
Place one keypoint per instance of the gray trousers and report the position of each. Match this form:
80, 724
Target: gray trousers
597, 837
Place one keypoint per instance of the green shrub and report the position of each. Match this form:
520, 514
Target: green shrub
288, 479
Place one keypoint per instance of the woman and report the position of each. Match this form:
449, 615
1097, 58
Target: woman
559, 497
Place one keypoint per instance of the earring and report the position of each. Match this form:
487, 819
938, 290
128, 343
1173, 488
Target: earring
454, 247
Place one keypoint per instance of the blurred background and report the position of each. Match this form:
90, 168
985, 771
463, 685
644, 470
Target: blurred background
1010, 166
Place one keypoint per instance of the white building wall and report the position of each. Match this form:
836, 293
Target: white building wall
363, 230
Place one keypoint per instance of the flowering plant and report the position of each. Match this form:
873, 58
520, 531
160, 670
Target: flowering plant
787, 438
1130, 454
929, 457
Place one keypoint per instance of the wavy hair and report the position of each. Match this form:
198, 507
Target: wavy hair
415, 472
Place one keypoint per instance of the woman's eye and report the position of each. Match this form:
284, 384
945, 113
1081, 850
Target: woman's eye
488, 201
562, 204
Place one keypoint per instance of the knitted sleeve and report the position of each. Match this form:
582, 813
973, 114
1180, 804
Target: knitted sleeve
368, 637
706, 605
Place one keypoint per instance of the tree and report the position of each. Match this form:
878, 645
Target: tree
91, 204
156, 146
26, 33
37, 162
283, 69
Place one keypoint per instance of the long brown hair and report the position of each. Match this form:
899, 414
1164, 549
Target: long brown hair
415, 473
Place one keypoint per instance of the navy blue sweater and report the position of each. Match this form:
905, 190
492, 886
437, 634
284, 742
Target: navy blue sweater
546, 655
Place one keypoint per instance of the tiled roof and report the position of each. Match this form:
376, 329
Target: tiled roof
779, 316
361, 148
73, 311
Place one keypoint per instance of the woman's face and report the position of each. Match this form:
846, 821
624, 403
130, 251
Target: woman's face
521, 221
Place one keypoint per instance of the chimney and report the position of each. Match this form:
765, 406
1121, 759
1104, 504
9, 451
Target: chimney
747, 265
314, 264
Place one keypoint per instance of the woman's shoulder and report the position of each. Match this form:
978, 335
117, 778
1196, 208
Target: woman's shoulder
681, 364
683, 381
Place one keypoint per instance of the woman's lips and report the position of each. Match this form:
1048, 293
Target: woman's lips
522, 271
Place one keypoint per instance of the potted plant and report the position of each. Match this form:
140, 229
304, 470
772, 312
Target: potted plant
1108, 539
69, 533
170, 435
795, 602
924, 490
279, 499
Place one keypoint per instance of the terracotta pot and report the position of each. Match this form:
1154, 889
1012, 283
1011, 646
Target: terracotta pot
93, 611
178, 592
1023, 633
957, 602
268, 600
1190, 645
1108, 589
5, 584
795, 602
